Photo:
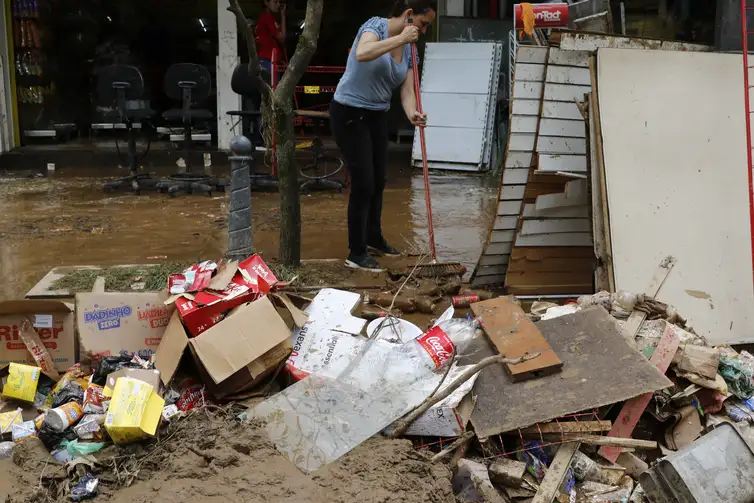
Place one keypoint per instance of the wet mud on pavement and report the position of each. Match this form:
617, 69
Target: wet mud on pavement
67, 219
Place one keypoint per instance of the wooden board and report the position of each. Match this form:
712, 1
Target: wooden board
554, 226
591, 347
568, 58
514, 335
575, 163
697, 96
530, 211
633, 409
567, 427
562, 127
555, 239
550, 486
559, 145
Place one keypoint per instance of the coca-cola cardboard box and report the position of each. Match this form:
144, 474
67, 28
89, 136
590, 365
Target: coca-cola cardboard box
52, 320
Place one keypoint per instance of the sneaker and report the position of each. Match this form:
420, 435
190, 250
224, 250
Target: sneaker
384, 249
363, 262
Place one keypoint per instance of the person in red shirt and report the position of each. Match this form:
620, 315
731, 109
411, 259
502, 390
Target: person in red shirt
269, 33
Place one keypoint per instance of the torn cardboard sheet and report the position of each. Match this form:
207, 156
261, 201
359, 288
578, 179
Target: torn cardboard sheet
599, 368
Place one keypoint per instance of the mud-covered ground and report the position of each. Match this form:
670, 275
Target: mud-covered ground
210, 457
67, 219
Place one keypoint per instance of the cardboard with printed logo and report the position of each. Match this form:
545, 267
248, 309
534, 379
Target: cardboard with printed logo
119, 323
52, 320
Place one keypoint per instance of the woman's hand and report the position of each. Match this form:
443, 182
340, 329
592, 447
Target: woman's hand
418, 119
410, 34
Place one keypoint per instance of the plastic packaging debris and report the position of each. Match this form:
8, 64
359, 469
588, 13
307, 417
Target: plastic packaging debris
22, 382
393, 330
90, 427
585, 468
171, 396
39, 420
6, 449
79, 449
51, 438
85, 489
60, 418
8, 419
638, 495
192, 396
62, 456
71, 375
619, 304
23, 430
71, 392
558, 311
319, 419
107, 366
94, 400
171, 411
738, 375
195, 278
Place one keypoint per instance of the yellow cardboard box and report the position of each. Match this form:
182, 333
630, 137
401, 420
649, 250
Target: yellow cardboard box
8, 419
135, 411
22, 382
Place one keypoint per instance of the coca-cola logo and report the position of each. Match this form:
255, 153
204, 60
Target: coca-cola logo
439, 350
438, 345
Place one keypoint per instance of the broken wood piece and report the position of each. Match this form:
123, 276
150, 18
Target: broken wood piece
460, 441
567, 427
633, 324
618, 442
633, 409
403, 424
514, 335
700, 360
550, 485
385, 300
507, 472
425, 305
634, 465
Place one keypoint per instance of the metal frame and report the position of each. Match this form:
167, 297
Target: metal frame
747, 103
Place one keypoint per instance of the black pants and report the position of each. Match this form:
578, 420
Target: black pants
362, 136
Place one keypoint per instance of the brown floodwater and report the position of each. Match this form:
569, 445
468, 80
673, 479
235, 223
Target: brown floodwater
66, 219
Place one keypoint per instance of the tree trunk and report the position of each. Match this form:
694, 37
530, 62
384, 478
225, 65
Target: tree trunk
282, 107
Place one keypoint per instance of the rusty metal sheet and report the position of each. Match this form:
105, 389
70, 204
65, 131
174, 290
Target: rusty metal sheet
599, 368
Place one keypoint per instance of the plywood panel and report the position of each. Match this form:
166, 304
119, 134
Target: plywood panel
525, 107
568, 58
555, 226
561, 110
568, 75
576, 163
527, 71
553, 145
565, 92
687, 191
509, 207
530, 211
516, 159
514, 176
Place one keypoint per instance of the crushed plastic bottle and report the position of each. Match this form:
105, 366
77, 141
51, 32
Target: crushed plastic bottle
6, 449
435, 348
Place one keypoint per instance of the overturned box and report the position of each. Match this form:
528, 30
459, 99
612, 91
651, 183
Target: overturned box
239, 352
135, 411
53, 322
121, 323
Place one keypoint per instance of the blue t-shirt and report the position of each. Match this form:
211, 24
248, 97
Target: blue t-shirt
370, 84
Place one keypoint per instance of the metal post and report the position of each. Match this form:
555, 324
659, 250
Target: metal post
240, 239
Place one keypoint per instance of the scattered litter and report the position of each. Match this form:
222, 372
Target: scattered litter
6, 449
85, 489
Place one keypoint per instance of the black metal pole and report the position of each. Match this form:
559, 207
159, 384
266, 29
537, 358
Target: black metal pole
240, 239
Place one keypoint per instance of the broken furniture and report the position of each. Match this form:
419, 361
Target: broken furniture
321, 166
191, 84
122, 87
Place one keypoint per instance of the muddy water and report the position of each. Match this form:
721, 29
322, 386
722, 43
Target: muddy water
66, 219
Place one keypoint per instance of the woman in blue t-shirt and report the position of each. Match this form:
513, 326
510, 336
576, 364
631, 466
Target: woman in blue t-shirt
379, 63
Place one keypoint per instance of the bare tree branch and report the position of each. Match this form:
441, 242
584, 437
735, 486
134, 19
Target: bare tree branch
244, 25
307, 46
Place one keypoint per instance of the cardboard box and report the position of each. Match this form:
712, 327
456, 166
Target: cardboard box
135, 411
151, 377
22, 382
239, 352
234, 284
116, 323
53, 322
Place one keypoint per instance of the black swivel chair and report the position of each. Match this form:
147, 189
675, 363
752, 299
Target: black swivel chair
117, 85
191, 84
241, 84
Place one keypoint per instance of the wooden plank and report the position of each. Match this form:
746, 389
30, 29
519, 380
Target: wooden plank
563, 92
529, 72
555, 226
598, 170
568, 75
491, 270
533, 277
494, 260
564, 289
528, 91
636, 318
633, 409
514, 335
502, 236
521, 142
512, 207
569, 239
530, 211
583, 266
555, 145
531, 55
590, 42
565, 174
516, 159
547, 253
550, 485
512, 192
562, 127
568, 58
524, 124
515, 176
551, 201
499, 248
567, 427
505, 223
624, 443
529, 107
560, 110
536, 189
591, 347
488, 280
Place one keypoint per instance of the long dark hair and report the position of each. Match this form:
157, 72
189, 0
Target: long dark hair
418, 6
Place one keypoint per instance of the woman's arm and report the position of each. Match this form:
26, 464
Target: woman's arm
280, 35
408, 100
371, 47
